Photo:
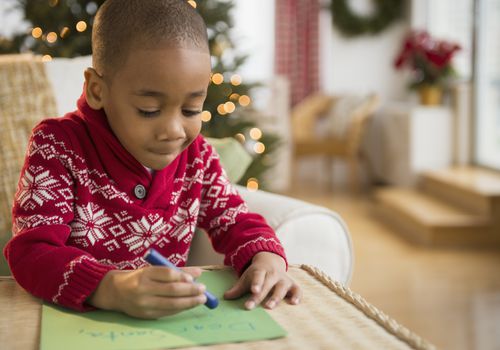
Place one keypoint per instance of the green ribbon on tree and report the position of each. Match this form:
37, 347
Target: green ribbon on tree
351, 24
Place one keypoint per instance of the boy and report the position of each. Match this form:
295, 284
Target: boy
128, 171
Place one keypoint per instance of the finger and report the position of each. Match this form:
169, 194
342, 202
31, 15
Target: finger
257, 298
294, 295
258, 279
157, 307
195, 272
279, 292
175, 289
167, 274
238, 289
178, 304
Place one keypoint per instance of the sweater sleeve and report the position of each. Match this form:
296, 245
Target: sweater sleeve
38, 256
233, 230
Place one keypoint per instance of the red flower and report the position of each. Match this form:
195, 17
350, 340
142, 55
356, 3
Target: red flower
430, 59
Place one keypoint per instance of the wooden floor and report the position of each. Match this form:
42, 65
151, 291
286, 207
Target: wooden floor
449, 297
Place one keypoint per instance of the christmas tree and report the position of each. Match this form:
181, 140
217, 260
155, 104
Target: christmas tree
62, 28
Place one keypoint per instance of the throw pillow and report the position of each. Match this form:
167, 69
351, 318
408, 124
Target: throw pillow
342, 113
233, 157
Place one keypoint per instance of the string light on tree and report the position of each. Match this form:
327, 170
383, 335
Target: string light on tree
206, 116
229, 107
251, 144
221, 109
36, 32
64, 32
255, 133
252, 184
217, 78
244, 100
192, 3
51, 37
81, 26
46, 58
259, 147
240, 137
236, 80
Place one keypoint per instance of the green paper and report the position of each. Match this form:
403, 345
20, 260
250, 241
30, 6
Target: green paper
229, 322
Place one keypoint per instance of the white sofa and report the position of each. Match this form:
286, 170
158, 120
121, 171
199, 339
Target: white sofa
310, 234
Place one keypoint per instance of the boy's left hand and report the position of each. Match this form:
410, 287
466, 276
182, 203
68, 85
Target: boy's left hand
266, 276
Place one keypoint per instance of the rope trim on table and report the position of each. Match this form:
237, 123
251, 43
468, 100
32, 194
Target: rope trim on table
391, 325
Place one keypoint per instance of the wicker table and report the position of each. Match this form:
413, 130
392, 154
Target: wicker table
330, 316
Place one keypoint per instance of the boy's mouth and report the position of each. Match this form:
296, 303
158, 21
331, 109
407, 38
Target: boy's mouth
165, 152
172, 148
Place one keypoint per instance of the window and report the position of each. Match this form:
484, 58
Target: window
487, 83
453, 20
479, 62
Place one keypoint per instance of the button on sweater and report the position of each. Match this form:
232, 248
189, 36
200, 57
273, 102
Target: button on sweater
77, 213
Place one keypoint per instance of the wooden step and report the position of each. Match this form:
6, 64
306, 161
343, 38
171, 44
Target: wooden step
431, 221
473, 189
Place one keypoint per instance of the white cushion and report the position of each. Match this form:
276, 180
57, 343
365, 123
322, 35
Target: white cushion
66, 77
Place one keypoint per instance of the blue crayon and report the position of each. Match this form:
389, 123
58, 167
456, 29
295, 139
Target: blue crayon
155, 258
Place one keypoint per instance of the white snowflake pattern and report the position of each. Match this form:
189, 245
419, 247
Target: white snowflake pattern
144, 232
183, 223
49, 146
133, 264
196, 178
227, 186
36, 189
178, 259
46, 150
211, 157
27, 222
226, 219
89, 224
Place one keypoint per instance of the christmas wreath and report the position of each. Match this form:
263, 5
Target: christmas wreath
351, 24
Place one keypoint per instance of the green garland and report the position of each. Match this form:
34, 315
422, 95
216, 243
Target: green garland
350, 24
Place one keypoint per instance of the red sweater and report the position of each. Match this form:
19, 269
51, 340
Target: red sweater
79, 212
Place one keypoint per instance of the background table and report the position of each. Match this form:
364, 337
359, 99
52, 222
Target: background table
330, 316
405, 140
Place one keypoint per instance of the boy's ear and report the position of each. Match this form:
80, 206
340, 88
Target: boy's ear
94, 85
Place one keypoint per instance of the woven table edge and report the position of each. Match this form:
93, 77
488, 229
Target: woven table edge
388, 323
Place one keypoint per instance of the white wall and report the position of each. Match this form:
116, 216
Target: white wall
11, 19
353, 65
361, 64
254, 36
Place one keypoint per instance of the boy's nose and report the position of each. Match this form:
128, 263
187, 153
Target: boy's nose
171, 128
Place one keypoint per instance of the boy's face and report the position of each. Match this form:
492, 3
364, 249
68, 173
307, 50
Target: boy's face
154, 101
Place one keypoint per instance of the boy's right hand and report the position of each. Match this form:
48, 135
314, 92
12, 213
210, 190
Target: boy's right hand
150, 292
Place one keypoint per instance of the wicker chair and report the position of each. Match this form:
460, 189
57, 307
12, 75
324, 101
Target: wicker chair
25, 98
306, 142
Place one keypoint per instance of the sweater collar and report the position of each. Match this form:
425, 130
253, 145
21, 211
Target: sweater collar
105, 140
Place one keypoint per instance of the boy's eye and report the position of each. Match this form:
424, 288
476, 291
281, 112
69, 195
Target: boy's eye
148, 114
189, 113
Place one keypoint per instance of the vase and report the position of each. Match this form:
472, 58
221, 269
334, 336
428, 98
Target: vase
430, 95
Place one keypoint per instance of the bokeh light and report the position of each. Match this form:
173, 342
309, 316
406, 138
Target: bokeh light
81, 26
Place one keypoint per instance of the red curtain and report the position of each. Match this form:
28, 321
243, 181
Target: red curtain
296, 45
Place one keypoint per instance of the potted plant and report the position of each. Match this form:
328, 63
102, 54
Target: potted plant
431, 63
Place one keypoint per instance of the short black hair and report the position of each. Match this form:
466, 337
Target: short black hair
122, 25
